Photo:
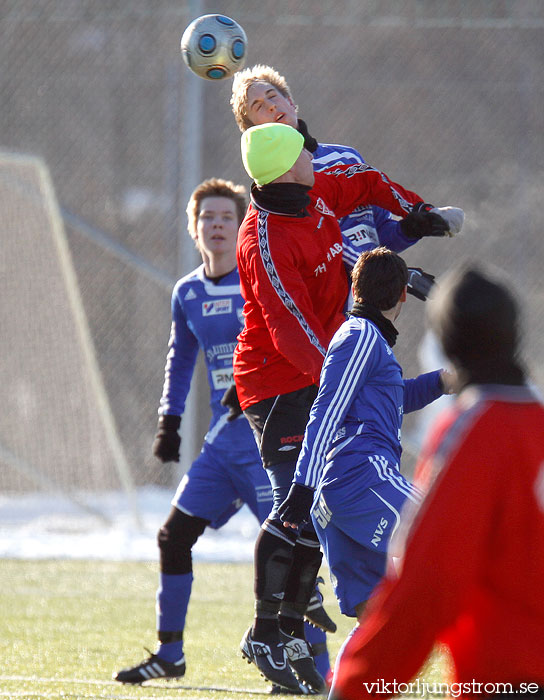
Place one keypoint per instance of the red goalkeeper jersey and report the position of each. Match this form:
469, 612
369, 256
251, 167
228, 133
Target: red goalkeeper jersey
294, 283
473, 571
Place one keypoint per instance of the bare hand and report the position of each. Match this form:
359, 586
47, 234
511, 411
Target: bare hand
448, 381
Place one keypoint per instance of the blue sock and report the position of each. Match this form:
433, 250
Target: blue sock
172, 601
316, 636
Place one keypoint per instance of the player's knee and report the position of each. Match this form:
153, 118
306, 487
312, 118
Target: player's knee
176, 539
275, 526
308, 536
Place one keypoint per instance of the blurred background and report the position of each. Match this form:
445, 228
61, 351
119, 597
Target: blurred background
104, 133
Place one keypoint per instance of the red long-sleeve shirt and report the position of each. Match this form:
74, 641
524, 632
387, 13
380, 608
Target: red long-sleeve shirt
293, 280
473, 571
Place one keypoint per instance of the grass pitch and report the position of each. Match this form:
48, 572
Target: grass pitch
66, 626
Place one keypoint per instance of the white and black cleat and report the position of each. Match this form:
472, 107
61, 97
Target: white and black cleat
299, 657
153, 668
303, 690
271, 661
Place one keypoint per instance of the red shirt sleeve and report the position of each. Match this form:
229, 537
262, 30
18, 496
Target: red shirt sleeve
350, 186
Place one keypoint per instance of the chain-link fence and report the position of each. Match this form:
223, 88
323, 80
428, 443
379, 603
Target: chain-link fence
446, 97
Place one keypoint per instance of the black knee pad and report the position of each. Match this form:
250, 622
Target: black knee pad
176, 539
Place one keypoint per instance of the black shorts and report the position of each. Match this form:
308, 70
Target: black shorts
279, 424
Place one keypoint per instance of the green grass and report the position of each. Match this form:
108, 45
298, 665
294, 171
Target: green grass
66, 626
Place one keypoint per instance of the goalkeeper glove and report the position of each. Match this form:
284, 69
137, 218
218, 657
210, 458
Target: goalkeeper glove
454, 216
296, 507
419, 283
167, 440
230, 400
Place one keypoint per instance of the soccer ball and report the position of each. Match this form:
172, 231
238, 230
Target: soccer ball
214, 47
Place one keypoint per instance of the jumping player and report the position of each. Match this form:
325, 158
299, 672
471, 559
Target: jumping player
206, 315
351, 453
471, 576
293, 280
261, 95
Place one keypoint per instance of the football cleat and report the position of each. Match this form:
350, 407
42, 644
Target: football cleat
271, 661
315, 612
299, 657
303, 690
153, 668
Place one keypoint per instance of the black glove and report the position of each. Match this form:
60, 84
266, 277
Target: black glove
296, 507
419, 283
420, 224
167, 439
230, 399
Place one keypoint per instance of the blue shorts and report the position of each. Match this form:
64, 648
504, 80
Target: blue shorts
217, 485
354, 523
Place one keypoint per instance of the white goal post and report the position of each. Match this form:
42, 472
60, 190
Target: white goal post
57, 430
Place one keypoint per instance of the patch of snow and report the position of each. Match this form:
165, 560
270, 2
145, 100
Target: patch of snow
102, 527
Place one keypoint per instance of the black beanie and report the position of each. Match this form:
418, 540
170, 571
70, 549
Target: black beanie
476, 320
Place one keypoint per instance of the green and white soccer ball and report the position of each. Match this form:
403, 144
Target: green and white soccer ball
214, 47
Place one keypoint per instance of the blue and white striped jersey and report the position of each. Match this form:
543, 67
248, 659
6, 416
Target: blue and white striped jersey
367, 227
359, 408
206, 316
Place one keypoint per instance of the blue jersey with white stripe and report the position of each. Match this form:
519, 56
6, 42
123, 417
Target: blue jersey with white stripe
360, 404
207, 316
366, 227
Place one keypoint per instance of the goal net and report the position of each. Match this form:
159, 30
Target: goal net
57, 433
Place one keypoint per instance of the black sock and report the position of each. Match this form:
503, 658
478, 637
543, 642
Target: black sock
273, 558
300, 583
265, 629
292, 625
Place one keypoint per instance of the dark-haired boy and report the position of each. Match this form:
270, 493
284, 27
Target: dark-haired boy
349, 463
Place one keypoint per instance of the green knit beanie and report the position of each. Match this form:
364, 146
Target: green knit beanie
270, 150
